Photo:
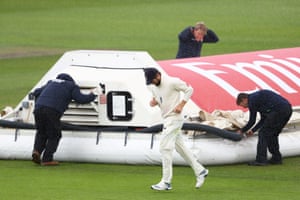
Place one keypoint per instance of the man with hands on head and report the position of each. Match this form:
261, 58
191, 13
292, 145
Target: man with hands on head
192, 38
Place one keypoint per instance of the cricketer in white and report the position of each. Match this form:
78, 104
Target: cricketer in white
167, 92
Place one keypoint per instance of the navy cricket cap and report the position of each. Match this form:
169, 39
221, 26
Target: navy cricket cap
150, 74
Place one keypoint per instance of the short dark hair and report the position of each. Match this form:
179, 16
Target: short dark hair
240, 97
150, 74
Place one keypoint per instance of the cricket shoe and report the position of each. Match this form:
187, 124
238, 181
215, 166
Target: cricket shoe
162, 186
201, 178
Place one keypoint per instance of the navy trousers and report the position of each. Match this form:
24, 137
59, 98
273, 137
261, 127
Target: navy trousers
273, 124
48, 133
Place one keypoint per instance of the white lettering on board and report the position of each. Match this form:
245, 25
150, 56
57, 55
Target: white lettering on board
245, 69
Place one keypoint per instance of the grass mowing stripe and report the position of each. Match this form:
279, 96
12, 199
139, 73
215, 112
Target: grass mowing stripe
18, 76
136, 25
105, 181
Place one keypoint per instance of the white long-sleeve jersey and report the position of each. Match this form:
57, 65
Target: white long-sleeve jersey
169, 94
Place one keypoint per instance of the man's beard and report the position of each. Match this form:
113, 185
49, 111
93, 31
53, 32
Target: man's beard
158, 83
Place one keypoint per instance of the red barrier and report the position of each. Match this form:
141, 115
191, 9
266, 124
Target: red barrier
218, 79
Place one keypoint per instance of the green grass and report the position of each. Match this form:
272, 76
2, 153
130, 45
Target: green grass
35, 33
18, 76
147, 25
25, 180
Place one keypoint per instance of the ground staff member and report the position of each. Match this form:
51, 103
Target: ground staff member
166, 94
192, 38
51, 102
275, 111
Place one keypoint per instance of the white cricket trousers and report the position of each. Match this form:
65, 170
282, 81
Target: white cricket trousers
171, 139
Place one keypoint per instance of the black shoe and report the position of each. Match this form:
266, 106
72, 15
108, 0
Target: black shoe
255, 163
275, 162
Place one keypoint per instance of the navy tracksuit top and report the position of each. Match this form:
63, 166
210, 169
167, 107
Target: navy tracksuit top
58, 93
189, 47
264, 102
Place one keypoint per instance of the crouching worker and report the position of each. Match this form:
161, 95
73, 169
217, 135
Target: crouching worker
51, 101
275, 111
166, 93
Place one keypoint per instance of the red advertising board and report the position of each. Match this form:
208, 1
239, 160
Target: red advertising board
218, 79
